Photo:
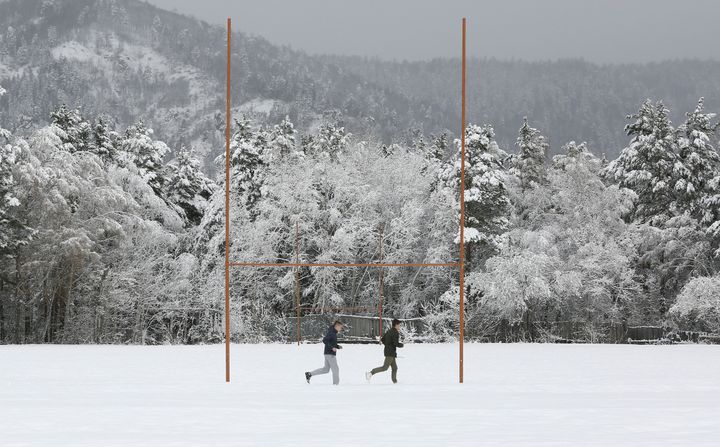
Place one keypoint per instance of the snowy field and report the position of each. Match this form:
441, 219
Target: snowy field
515, 394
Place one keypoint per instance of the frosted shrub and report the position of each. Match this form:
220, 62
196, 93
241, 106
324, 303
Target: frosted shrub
699, 301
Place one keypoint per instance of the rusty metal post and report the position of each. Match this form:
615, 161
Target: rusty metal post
462, 207
297, 280
227, 210
380, 302
342, 264
340, 309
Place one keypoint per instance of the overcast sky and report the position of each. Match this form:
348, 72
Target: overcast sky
596, 30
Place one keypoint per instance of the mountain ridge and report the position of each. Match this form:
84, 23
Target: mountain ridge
134, 61
131, 60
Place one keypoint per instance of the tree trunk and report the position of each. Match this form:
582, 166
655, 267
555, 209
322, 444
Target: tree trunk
17, 297
2, 312
97, 323
529, 327
67, 311
48, 300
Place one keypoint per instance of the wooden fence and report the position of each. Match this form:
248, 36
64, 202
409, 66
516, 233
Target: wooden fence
363, 329
358, 328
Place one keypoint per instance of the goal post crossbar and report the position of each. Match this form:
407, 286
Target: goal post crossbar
344, 265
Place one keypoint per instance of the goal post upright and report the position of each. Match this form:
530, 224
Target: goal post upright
227, 209
381, 284
462, 209
297, 282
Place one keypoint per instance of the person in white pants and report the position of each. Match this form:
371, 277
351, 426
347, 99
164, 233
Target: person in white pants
330, 353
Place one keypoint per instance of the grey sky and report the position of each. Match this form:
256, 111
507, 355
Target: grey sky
597, 30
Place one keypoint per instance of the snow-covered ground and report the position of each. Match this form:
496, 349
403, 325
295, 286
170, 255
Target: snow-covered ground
515, 394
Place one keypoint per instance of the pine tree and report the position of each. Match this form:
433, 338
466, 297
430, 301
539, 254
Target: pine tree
187, 186
575, 153
486, 195
73, 130
12, 232
440, 146
282, 140
330, 141
4, 133
647, 165
434, 155
261, 140
147, 154
8, 201
529, 163
697, 165
104, 140
415, 141
248, 164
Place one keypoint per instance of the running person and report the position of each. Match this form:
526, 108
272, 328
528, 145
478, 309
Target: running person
391, 340
331, 347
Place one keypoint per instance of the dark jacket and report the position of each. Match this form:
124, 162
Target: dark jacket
330, 340
391, 340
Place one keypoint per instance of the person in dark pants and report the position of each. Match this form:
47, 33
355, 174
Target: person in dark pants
391, 340
331, 347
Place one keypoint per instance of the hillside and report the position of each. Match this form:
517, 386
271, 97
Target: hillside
566, 99
133, 61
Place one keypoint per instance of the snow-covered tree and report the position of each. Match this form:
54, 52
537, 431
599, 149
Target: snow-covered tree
102, 253
486, 196
247, 161
4, 133
563, 259
698, 167
647, 165
8, 201
595, 278
529, 163
13, 233
329, 141
188, 186
441, 317
440, 146
282, 140
518, 284
73, 130
699, 301
574, 154
104, 140
668, 254
415, 141
435, 153
261, 139
146, 153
